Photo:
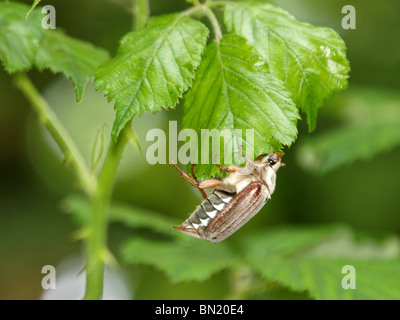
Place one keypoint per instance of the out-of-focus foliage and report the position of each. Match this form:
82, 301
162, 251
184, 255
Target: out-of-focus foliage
24, 43
312, 259
76, 59
370, 124
302, 258
18, 39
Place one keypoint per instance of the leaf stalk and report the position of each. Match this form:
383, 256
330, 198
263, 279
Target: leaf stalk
58, 132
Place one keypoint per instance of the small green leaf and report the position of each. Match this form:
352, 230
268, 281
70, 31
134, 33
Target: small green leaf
19, 39
233, 90
134, 139
184, 260
34, 4
312, 259
76, 59
310, 60
153, 67
98, 144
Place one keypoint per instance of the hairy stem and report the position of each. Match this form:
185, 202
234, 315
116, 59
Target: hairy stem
57, 131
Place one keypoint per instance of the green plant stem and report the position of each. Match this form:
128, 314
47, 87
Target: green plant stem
214, 22
141, 13
57, 131
98, 225
220, 3
206, 11
96, 246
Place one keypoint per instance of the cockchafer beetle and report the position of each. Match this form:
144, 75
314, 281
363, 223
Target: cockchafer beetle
235, 199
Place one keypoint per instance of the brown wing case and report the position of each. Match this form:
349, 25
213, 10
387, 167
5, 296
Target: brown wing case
223, 213
240, 210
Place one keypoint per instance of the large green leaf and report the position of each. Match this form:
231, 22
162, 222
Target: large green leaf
312, 259
153, 67
19, 39
233, 90
188, 259
310, 60
76, 59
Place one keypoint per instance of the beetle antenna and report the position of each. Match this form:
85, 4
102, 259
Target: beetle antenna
248, 161
216, 158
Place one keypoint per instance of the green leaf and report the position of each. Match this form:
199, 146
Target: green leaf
233, 90
185, 260
19, 39
24, 43
139, 218
310, 60
312, 259
153, 67
371, 126
76, 59
344, 145
34, 4
130, 216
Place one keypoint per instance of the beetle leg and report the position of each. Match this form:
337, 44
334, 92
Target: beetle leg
225, 168
191, 169
197, 182
184, 174
206, 184
193, 182
203, 193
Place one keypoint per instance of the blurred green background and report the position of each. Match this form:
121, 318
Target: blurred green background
35, 230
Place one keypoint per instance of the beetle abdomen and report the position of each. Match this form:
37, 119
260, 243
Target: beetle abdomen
205, 212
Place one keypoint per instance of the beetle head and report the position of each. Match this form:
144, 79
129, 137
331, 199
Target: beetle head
273, 160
